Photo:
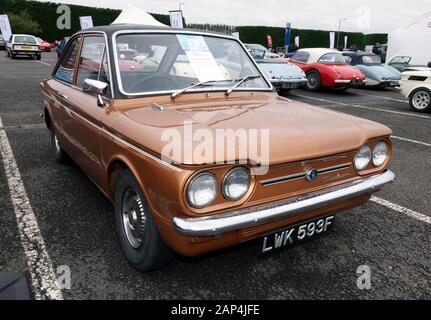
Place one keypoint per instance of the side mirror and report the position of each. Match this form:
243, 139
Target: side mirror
429, 64
96, 86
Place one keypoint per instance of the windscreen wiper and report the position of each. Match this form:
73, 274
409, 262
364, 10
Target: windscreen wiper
240, 81
195, 85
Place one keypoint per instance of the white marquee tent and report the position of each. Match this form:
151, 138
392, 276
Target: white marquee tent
135, 15
413, 40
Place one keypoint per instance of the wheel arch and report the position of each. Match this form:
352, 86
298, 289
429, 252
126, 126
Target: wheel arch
115, 166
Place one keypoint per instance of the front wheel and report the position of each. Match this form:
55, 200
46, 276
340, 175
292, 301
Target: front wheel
313, 81
139, 237
420, 100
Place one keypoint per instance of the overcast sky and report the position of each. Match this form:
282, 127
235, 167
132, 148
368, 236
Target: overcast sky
366, 16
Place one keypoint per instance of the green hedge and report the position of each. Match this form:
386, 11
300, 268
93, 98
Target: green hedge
307, 38
45, 13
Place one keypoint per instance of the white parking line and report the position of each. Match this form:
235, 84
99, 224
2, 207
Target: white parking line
43, 278
41, 62
364, 107
412, 141
393, 206
381, 97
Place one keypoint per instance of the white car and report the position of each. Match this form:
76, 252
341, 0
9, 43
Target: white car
23, 44
416, 85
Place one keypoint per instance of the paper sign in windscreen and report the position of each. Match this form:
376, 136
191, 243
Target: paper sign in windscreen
200, 57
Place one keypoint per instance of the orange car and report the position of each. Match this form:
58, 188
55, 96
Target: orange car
195, 149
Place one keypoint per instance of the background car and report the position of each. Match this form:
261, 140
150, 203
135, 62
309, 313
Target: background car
402, 63
2, 43
327, 68
283, 76
258, 51
377, 73
23, 45
61, 46
416, 85
43, 45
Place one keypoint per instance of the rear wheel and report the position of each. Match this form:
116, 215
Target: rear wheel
38, 56
420, 100
313, 80
7, 53
12, 56
139, 237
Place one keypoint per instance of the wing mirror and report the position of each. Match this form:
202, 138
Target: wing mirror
96, 86
429, 64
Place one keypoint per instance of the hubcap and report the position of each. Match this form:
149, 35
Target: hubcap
134, 219
56, 143
421, 100
312, 81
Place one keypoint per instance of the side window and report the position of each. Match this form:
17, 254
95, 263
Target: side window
90, 61
66, 69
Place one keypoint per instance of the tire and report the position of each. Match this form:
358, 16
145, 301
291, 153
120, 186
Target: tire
12, 56
420, 100
59, 153
313, 81
140, 240
38, 57
7, 53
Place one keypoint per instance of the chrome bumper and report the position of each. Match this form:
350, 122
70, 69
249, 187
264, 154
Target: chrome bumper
241, 219
343, 81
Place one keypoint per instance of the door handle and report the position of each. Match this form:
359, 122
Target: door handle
61, 94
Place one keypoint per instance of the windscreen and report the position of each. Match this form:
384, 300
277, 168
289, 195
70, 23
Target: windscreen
167, 62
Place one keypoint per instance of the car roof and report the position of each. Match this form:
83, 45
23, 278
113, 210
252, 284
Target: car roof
111, 29
317, 53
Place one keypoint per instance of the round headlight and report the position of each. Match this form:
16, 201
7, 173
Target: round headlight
202, 190
363, 158
380, 153
236, 184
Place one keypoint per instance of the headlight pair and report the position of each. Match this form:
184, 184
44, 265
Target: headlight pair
202, 189
378, 156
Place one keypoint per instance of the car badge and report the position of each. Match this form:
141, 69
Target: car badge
312, 174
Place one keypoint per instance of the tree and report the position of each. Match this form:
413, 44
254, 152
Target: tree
24, 23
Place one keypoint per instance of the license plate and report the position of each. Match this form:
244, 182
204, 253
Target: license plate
295, 234
27, 47
290, 86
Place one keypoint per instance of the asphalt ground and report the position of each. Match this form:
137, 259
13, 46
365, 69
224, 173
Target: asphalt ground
75, 226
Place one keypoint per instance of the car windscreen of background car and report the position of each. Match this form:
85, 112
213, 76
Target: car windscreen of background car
372, 59
166, 62
334, 58
24, 40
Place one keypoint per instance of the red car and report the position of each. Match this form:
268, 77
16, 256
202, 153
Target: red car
43, 45
327, 68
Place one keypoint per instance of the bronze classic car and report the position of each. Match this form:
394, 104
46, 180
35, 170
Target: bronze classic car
269, 168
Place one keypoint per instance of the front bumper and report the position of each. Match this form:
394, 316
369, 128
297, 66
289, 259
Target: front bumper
350, 82
218, 224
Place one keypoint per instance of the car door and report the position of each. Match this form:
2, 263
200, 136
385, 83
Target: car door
82, 120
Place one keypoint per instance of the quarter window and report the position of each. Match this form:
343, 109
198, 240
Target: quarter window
66, 70
90, 61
